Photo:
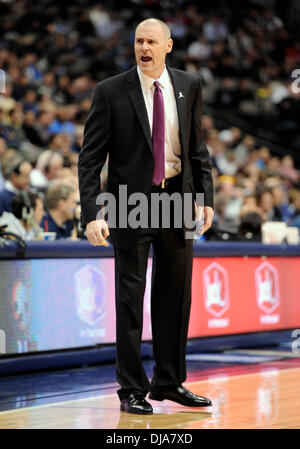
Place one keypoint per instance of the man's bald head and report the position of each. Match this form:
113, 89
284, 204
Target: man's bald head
151, 45
166, 30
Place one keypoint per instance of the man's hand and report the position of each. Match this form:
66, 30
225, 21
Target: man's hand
97, 231
204, 218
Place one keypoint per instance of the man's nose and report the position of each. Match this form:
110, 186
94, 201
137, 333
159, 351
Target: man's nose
145, 46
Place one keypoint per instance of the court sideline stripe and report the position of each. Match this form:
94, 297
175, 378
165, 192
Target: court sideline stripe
114, 394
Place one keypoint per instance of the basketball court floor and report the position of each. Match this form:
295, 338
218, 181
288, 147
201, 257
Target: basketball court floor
263, 393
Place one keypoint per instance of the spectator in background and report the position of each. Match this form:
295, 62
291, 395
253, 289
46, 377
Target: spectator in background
234, 194
250, 206
47, 88
30, 101
199, 49
60, 201
266, 203
81, 89
252, 171
77, 144
12, 131
288, 170
226, 162
44, 118
295, 200
178, 26
61, 143
7, 102
236, 136
227, 96
243, 150
62, 92
263, 157
281, 201
268, 21
250, 227
3, 150
222, 228
17, 174
64, 123
47, 169
29, 128
274, 165
26, 215
215, 29
36, 125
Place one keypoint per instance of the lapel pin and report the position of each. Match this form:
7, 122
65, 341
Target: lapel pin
181, 95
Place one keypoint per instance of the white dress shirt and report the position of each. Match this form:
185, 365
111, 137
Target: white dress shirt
172, 143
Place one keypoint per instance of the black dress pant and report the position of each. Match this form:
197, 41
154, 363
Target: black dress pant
170, 308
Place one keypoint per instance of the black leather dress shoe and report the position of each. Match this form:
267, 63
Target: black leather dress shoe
179, 394
136, 403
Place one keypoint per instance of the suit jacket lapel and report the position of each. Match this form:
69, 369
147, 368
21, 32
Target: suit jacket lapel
181, 102
135, 93
136, 96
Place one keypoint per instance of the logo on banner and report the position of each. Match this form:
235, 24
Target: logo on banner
21, 301
267, 291
216, 293
2, 341
89, 295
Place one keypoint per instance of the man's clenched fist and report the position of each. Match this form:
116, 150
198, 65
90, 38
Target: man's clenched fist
97, 231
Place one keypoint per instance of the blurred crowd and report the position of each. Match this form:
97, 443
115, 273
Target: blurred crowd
53, 55
252, 185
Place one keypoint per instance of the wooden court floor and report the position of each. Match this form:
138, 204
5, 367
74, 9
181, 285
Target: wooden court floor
268, 399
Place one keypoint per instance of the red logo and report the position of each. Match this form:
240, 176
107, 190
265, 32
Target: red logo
90, 294
216, 289
267, 287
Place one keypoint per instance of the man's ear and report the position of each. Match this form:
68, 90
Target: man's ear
169, 45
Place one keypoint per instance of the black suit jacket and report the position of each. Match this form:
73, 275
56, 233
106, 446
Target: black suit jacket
118, 125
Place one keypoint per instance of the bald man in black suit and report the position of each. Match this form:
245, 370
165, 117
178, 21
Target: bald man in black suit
121, 125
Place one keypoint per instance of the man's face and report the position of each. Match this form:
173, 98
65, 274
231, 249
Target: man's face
21, 181
151, 47
68, 206
55, 168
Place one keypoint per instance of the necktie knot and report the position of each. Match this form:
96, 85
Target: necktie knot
156, 84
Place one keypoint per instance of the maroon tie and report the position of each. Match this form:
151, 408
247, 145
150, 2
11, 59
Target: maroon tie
158, 135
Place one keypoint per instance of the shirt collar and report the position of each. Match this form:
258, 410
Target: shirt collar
147, 81
10, 187
49, 217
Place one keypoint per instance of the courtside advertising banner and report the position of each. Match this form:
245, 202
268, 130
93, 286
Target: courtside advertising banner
49, 304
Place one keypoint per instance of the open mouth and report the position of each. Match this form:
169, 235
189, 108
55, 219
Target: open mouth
146, 59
